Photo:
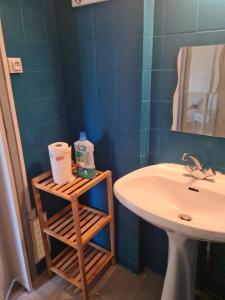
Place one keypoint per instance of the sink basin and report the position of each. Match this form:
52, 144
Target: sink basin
160, 194
188, 209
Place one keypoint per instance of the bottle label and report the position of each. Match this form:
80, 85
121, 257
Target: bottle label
80, 160
81, 148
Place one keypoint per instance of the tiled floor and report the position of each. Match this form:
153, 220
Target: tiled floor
116, 284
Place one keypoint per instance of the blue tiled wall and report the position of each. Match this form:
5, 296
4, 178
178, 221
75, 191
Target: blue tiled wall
147, 41
179, 23
30, 33
108, 82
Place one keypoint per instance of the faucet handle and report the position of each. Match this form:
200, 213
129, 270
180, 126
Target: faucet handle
184, 157
199, 174
209, 172
188, 156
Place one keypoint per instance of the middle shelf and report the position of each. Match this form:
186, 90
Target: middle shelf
61, 226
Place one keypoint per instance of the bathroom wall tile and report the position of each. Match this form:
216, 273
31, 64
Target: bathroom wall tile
15, 48
32, 3
133, 57
51, 27
184, 143
163, 85
153, 160
89, 82
39, 51
105, 13
210, 37
36, 85
181, 16
147, 51
30, 138
146, 84
161, 115
94, 131
108, 110
124, 163
158, 258
148, 16
129, 83
153, 141
165, 115
34, 24
129, 141
125, 242
144, 160
53, 132
132, 12
85, 22
105, 54
145, 114
144, 141
11, 2
90, 109
87, 55
158, 52
50, 110
173, 43
26, 113
11, 21
155, 116
160, 17
27, 50
105, 37
129, 110
211, 15
106, 83
48, 5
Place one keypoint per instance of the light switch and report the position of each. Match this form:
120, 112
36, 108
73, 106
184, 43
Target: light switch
15, 65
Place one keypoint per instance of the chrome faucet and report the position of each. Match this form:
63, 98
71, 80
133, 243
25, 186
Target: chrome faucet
196, 170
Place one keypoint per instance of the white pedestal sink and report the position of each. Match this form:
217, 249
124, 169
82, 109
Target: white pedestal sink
188, 209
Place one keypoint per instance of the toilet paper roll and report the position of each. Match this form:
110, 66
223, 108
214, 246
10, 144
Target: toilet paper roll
60, 157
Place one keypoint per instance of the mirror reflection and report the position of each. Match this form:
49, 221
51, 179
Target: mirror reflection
199, 100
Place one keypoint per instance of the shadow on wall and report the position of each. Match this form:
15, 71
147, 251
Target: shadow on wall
102, 82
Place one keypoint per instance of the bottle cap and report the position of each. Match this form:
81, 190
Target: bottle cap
83, 136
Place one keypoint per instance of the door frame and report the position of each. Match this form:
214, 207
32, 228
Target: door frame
15, 153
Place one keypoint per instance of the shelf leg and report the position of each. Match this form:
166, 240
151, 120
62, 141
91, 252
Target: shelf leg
40, 212
80, 253
111, 213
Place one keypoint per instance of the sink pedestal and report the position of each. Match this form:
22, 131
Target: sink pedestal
181, 271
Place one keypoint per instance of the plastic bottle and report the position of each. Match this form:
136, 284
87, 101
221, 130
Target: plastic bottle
84, 151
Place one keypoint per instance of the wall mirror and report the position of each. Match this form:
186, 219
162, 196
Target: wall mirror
199, 99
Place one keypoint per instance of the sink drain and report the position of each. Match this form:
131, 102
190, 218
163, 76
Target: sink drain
186, 218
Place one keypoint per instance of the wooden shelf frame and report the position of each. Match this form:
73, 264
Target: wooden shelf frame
61, 226
66, 264
69, 191
76, 225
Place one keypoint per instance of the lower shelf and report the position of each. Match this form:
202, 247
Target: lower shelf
61, 226
66, 264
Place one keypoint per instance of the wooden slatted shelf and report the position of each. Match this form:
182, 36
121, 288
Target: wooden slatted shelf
75, 225
67, 264
78, 186
61, 226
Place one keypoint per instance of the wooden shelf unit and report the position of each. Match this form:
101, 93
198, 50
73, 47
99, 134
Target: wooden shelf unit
75, 225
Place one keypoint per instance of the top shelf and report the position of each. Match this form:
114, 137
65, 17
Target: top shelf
69, 191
